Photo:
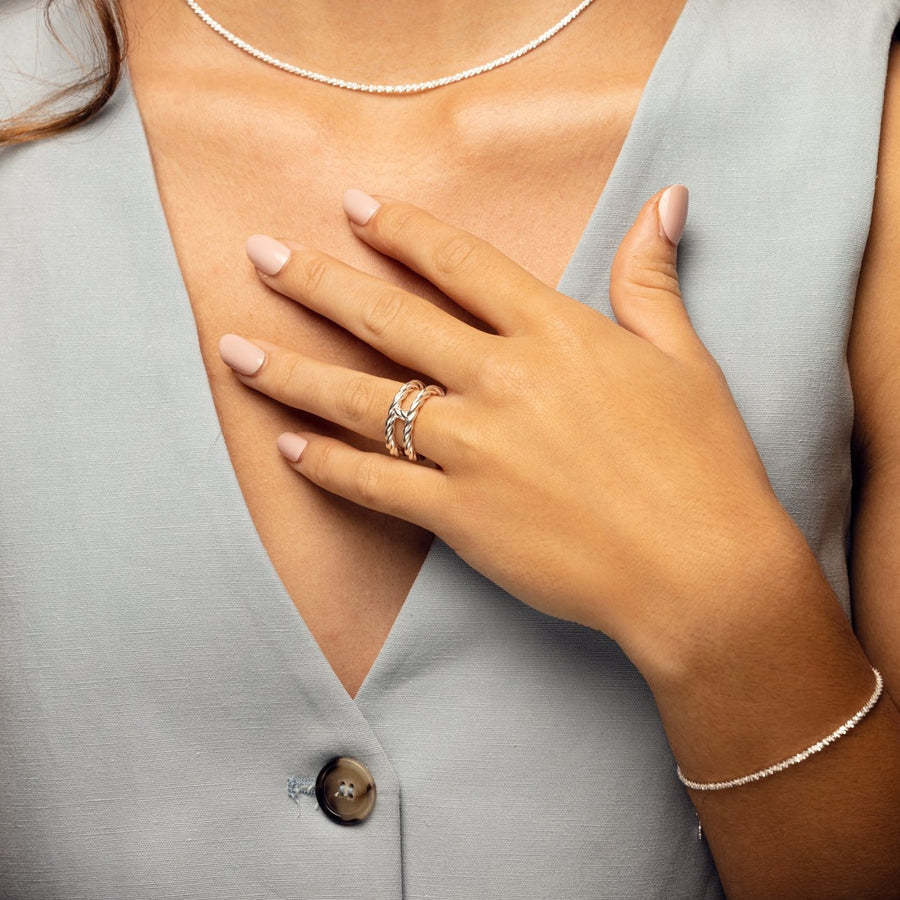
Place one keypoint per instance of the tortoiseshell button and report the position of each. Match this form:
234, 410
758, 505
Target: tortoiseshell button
345, 790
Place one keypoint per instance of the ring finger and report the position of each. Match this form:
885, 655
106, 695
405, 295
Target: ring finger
346, 397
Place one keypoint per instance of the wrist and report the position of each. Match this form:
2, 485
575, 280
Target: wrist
757, 670
744, 586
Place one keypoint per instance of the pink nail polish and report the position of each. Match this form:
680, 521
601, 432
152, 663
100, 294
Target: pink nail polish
673, 210
240, 355
267, 254
360, 207
291, 446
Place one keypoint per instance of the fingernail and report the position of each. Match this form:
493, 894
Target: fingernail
291, 446
267, 254
673, 210
240, 355
360, 207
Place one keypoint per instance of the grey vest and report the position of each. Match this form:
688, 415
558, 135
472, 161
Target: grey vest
158, 691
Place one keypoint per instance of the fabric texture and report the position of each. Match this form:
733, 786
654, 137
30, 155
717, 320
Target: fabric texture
158, 689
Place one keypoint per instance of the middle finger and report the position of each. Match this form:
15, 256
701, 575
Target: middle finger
407, 328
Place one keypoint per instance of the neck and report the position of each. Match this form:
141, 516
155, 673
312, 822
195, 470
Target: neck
397, 42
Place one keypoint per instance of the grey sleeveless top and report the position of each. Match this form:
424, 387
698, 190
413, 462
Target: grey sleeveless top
164, 711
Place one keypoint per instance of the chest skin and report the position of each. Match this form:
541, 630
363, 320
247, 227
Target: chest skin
518, 156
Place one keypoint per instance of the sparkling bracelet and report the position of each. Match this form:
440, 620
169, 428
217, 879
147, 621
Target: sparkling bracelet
850, 724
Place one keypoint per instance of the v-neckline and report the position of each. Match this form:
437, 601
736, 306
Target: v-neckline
658, 95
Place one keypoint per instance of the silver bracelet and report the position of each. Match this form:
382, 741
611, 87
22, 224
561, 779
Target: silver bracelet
850, 724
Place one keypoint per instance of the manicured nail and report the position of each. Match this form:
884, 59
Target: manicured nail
673, 210
291, 446
267, 254
360, 207
240, 355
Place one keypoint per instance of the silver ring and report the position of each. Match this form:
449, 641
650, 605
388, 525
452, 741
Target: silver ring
397, 413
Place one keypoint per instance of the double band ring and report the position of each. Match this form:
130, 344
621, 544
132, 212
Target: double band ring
397, 413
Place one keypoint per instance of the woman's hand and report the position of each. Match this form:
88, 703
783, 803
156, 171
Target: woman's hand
598, 471
602, 473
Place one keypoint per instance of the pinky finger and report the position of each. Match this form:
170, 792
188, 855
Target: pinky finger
396, 487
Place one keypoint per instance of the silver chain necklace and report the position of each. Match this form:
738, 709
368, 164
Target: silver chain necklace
386, 88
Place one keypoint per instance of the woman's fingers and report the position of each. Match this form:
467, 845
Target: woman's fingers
643, 287
476, 275
392, 486
354, 400
408, 329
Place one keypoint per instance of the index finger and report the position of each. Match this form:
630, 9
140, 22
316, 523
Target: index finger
470, 271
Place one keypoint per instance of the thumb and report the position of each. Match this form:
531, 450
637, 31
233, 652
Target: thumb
643, 288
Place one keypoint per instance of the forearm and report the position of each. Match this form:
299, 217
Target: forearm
674, 543
764, 675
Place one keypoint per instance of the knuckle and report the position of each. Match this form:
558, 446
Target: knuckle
367, 482
652, 282
457, 253
319, 465
381, 309
311, 273
396, 223
288, 376
354, 400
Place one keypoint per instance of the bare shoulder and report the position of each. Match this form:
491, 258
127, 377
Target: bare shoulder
874, 362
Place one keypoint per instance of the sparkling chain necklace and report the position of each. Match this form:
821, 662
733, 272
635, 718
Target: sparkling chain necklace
386, 88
